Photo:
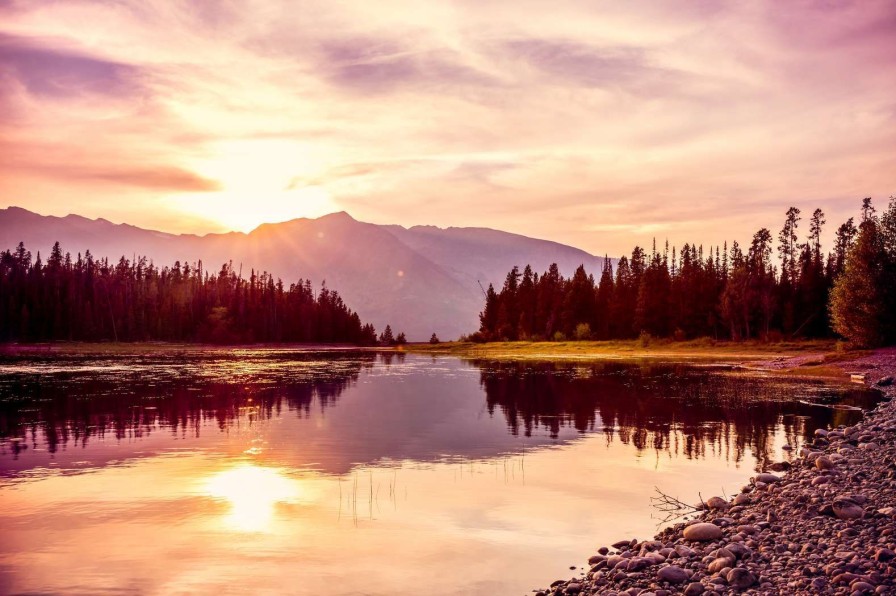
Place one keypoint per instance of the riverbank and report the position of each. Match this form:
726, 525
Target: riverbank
815, 358
826, 526
704, 348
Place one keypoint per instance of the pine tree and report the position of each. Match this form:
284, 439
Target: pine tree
857, 300
386, 338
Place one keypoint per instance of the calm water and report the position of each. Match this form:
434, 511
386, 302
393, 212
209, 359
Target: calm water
275, 471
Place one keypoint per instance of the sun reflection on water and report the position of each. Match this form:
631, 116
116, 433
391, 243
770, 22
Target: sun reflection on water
253, 493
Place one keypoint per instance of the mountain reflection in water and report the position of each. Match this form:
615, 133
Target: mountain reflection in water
344, 472
54, 403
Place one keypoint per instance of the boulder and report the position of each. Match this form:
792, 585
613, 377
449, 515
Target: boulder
768, 478
740, 578
672, 574
824, 462
702, 532
716, 503
847, 509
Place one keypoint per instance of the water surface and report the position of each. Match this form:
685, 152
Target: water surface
284, 471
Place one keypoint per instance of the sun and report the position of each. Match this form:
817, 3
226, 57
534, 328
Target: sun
261, 181
253, 493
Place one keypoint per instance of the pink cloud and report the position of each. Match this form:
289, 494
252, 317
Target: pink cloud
594, 123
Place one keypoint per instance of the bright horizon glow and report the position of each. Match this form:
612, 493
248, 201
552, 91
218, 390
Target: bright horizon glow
595, 124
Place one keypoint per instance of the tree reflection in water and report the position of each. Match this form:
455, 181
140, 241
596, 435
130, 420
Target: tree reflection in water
52, 402
673, 408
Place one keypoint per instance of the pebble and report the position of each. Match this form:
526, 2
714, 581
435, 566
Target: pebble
826, 526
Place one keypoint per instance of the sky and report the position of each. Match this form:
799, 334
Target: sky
596, 124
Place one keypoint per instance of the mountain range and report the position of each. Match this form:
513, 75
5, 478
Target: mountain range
421, 280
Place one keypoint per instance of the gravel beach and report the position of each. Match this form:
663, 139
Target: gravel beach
826, 525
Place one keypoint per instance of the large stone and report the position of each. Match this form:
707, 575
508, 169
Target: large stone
702, 532
716, 503
719, 564
694, 589
767, 478
739, 550
684, 551
847, 509
637, 564
740, 578
672, 574
824, 462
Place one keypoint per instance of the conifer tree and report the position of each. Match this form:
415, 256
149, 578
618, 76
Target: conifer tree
858, 300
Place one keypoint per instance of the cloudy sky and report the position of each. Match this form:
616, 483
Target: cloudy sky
598, 124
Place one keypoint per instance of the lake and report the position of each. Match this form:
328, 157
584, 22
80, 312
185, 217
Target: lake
269, 471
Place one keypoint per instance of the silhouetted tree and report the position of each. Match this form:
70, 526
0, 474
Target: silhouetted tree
386, 337
88, 300
718, 293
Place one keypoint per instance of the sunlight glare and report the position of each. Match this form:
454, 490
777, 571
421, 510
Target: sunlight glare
253, 493
258, 185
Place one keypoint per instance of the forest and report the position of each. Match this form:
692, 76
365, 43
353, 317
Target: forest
86, 299
731, 292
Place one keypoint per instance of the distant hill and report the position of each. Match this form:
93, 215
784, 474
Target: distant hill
421, 280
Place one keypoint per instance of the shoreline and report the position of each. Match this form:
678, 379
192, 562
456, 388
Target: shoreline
827, 526
703, 348
809, 358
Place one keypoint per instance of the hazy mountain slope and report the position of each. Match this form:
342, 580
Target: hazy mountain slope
484, 255
420, 280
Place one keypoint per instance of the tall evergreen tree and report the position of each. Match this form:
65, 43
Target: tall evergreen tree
858, 300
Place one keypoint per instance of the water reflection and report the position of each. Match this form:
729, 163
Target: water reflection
53, 402
252, 493
271, 471
424, 409
680, 409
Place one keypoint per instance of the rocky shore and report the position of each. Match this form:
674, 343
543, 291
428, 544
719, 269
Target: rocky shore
827, 525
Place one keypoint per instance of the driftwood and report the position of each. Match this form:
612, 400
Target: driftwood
672, 507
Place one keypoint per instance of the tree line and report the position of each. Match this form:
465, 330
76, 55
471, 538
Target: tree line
88, 299
726, 293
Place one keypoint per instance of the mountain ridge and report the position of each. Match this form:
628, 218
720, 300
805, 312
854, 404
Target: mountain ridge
421, 279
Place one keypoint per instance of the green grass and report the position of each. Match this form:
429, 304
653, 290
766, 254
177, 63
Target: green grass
697, 348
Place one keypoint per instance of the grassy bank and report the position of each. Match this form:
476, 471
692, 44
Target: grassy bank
817, 358
699, 348
808, 358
